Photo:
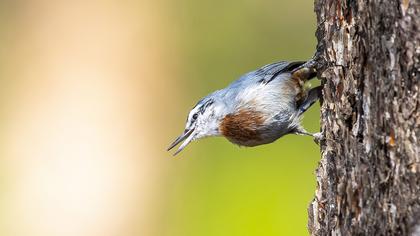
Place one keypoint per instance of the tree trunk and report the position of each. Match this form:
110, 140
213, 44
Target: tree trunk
369, 62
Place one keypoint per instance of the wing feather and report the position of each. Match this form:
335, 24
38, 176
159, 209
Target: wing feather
271, 71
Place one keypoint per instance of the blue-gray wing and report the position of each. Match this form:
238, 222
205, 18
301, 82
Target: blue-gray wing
263, 75
269, 72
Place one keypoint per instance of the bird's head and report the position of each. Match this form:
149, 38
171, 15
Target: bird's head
202, 121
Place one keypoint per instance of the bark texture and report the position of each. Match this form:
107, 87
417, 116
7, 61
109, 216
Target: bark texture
369, 175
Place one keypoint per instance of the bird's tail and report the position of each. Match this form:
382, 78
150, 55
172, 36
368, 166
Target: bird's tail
313, 95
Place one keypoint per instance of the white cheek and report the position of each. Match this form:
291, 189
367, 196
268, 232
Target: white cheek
213, 128
220, 110
205, 129
188, 126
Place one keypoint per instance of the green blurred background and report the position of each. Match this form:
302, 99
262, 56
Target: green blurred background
92, 92
219, 188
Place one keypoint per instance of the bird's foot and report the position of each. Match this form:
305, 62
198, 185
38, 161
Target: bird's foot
318, 137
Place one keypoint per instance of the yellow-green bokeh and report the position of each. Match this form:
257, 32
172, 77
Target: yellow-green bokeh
217, 188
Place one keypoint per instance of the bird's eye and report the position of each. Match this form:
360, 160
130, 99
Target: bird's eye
195, 116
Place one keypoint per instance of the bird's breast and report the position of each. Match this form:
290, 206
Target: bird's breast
243, 127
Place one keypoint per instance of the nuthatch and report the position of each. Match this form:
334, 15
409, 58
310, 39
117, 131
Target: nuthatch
258, 108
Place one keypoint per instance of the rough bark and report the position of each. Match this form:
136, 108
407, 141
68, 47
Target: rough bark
369, 175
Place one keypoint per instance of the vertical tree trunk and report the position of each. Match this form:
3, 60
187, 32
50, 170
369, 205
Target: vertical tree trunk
369, 175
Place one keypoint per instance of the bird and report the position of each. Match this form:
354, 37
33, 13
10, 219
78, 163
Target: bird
258, 108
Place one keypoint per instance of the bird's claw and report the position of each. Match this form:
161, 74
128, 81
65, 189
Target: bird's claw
318, 137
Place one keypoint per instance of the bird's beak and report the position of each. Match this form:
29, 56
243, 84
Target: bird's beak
186, 135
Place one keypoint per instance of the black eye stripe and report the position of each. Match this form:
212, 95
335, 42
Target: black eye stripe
203, 108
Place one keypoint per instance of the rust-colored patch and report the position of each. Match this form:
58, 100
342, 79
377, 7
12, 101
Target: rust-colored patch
405, 4
303, 74
297, 89
242, 127
299, 78
392, 138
